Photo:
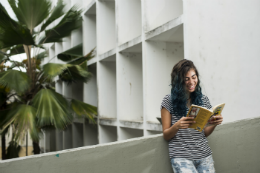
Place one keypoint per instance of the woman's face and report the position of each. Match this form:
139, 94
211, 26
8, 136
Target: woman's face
191, 81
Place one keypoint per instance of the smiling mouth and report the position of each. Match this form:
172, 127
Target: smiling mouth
192, 87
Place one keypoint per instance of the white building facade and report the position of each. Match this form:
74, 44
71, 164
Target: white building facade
137, 44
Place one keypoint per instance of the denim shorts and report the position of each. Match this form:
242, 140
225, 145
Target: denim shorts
205, 165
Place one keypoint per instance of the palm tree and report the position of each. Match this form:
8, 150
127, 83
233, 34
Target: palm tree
28, 101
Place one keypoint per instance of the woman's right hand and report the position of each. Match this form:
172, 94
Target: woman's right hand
169, 131
184, 122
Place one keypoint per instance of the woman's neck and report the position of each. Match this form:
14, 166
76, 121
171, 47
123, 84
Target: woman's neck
188, 103
188, 95
188, 100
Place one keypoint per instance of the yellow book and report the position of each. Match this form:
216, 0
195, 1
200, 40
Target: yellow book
202, 115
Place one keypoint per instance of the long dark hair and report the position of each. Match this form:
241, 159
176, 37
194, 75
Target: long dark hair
179, 96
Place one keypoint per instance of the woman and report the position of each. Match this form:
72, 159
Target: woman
188, 148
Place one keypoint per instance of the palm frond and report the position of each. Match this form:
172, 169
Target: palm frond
31, 12
74, 56
15, 80
3, 57
3, 52
52, 109
67, 72
11, 32
17, 49
84, 109
72, 20
57, 12
24, 120
82, 61
52, 70
17, 64
75, 73
4, 119
42, 55
72, 53
5, 16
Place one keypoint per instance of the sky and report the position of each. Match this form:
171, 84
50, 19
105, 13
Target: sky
19, 57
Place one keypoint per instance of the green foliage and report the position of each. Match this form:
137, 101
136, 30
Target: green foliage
52, 70
42, 55
75, 73
15, 80
82, 61
18, 49
12, 33
31, 12
57, 12
67, 72
74, 56
23, 118
71, 53
28, 101
84, 109
5, 120
52, 109
72, 20
3, 57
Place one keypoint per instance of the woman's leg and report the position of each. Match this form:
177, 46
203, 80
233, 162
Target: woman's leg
180, 165
205, 165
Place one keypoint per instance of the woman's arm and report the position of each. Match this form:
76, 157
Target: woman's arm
214, 121
170, 131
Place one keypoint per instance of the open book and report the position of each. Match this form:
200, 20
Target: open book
202, 115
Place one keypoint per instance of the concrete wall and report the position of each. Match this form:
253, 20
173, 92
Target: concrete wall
130, 93
128, 20
235, 146
159, 62
222, 38
107, 85
235, 149
138, 42
158, 13
106, 39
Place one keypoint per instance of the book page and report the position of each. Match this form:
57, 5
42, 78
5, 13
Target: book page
218, 109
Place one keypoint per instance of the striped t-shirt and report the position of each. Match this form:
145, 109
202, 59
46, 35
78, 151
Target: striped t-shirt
187, 143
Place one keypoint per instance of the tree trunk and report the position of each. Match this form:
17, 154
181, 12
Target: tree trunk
36, 148
3, 146
27, 50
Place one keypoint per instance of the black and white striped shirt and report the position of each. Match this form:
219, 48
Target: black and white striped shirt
187, 143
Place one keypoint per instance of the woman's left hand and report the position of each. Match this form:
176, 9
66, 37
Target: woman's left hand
216, 120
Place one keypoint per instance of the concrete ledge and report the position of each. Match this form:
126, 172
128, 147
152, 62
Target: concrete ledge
235, 149
108, 121
91, 8
140, 155
154, 126
131, 124
235, 146
130, 45
108, 56
164, 28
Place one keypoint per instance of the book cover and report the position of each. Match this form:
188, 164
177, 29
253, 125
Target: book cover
202, 115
